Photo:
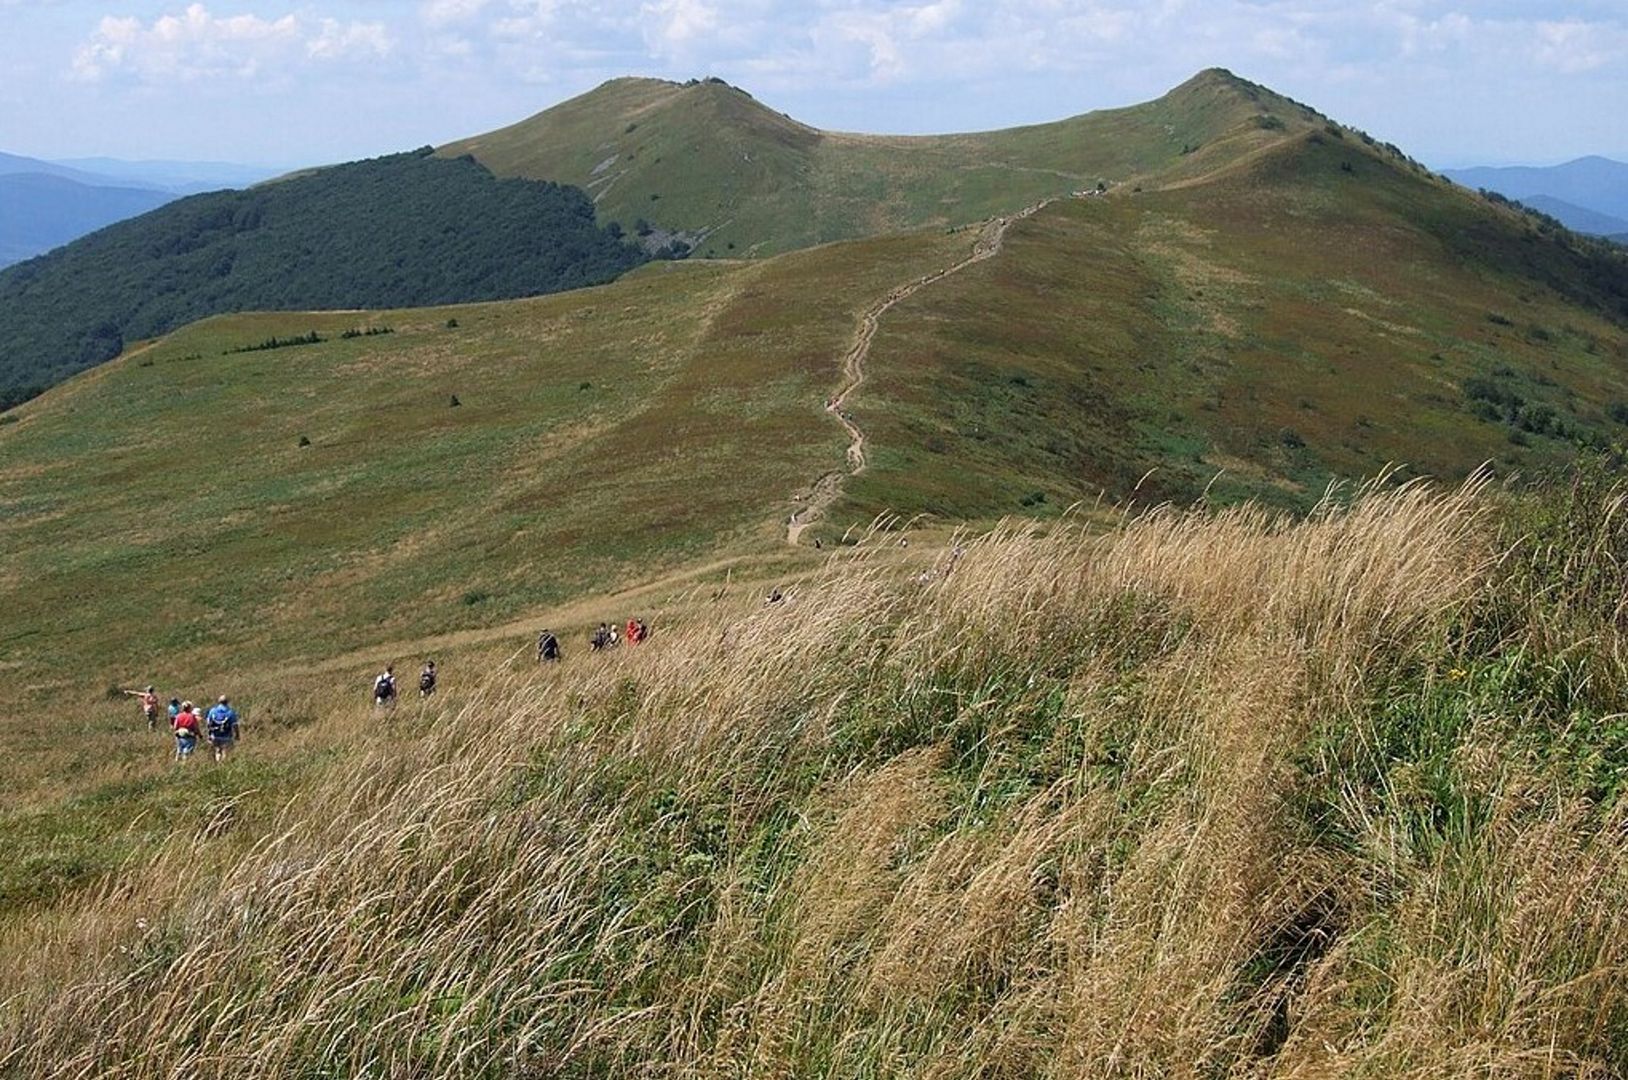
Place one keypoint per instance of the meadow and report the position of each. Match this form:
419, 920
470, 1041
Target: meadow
257, 522
1216, 791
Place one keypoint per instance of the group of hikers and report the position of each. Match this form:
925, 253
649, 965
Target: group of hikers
190, 724
608, 637
605, 636
384, 685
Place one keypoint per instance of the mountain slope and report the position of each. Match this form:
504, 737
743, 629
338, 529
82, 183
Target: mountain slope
39, 211
1315, 313
407, 229
707, 159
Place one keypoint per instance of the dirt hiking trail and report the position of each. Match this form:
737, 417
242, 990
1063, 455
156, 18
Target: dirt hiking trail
825, 491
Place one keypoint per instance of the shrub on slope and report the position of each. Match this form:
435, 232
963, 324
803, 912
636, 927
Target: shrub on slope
398, 231
1215, 794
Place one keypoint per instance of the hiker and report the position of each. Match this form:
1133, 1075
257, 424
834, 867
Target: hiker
149, 705
644, 630
600, 638
175, 708
775, 596
222, 721
426, 679
548, 647
185, 727
632, 633
384, 688
612, 639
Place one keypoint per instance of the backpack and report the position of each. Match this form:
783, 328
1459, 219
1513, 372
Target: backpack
220, 723
384, 687
426, 680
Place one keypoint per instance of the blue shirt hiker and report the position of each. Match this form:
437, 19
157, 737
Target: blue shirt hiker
222, 726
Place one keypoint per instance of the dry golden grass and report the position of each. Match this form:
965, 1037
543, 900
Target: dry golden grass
1085, 806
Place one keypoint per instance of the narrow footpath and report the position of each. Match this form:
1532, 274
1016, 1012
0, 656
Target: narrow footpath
826, 490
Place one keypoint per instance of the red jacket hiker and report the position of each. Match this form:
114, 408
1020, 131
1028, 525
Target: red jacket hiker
187, 720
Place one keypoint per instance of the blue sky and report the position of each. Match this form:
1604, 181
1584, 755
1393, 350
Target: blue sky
289, 82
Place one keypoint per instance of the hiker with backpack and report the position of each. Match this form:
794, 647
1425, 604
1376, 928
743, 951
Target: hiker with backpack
600, 638
148, 699
186, 728
384, 688
548, 647
426, 679
222, 723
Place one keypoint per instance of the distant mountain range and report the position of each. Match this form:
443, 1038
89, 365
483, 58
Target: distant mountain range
1589, 195
45, 204
40, 211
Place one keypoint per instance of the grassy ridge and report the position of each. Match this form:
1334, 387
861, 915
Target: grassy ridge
1290, 798
1315, 313
706, 158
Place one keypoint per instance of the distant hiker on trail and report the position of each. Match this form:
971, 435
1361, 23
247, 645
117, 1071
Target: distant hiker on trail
644, 629
600, 638
548, 647
186, 728
775, 596
384, 688
175, 708
148, 700
426, 679
222, 720
634, 632
613, 639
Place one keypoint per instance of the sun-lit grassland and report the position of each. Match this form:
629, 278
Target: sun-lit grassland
1215, 792
1280, 326
161, 521
708, 158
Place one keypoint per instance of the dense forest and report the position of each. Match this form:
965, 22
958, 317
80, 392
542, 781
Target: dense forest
399, 231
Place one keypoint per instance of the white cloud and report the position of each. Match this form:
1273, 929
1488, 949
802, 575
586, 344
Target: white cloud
674, 28
443, 12
338, 41
197, 44
1573, 46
